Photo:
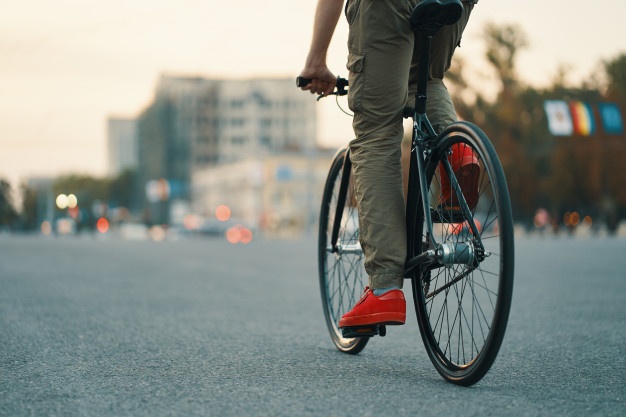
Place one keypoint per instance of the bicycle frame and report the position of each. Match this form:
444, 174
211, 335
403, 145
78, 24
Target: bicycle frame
341, 200
424, 140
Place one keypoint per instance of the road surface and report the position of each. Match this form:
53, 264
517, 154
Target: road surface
105, 327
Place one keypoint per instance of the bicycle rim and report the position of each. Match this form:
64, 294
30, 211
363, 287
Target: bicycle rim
463, 310
342, 276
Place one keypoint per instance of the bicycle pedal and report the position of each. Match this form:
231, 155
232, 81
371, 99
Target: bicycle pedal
364, 331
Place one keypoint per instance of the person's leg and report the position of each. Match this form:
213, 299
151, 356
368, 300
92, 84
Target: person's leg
439, 107
380, 49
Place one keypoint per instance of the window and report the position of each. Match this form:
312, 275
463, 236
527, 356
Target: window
237, 103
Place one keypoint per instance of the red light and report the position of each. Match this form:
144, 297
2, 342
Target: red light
222, 213
239, 234
102, 225
233, 235
73, 212
246, 235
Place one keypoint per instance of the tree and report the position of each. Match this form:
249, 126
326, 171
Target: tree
616, 75
614, 151
29, 208
507, 120
8, 215
503, 44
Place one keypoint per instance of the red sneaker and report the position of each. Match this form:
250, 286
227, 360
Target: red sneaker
389, 308
467, 170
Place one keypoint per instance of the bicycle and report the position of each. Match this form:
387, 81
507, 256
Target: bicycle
460, 259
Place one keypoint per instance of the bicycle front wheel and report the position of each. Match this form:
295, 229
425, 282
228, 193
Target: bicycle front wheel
463, 308
342, 275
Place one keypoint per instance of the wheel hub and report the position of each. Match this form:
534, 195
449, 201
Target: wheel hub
449, 253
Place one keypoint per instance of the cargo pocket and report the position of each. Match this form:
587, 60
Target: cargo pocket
352, 6
355, 64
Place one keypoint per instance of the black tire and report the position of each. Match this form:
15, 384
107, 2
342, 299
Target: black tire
342, 275
463, 312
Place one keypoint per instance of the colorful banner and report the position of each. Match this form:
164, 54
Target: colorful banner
576, 118
559, 118
611, 116
582, 118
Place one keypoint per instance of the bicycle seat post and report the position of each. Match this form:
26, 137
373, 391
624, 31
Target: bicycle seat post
422, 77
427, 18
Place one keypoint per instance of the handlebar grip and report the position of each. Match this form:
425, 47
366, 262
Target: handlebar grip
302, 82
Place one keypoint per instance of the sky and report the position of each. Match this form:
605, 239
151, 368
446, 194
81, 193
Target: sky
68, 65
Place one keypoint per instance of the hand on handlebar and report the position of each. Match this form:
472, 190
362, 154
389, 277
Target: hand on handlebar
308, 84
321, 80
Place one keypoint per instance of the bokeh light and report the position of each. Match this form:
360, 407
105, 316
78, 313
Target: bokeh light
73, 212
102, 225
246, 235
192, 222
65, 226
571, 219
46, 228
541, 219
238, 234
222, 213
157, 233
62, 201
233, 235
72, 201
566, 218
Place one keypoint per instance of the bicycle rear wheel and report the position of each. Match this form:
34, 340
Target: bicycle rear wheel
463, 309
342, 276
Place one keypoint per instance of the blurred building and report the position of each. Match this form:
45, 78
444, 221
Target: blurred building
279, 194
122, 144
264, 116
196, 123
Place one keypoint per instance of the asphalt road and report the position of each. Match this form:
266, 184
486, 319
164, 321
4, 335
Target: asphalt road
104, 327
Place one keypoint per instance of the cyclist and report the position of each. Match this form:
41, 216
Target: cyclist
382, 56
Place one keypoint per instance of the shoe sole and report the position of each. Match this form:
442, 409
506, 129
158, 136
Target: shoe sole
388, 319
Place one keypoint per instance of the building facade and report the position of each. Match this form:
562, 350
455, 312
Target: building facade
196, 123
279, 195
122, 144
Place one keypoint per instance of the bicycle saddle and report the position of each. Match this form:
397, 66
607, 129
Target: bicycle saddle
435, 13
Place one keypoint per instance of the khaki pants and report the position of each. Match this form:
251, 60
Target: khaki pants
382, 62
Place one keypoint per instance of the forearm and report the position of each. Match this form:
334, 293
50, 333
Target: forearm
326, 17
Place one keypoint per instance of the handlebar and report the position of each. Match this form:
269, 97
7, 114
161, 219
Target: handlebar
341, 85
302, 82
